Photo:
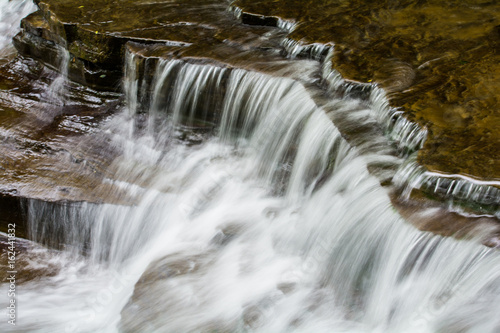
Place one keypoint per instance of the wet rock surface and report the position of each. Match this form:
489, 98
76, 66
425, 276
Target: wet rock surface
437, 59
431, 217
163, 274
28, 261
45, 143
95, 33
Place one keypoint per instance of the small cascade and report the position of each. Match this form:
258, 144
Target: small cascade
333, 79
315, 51
235, 10
270, 115
408, 135
458, 190
161, 85
287, 25
189, 93
57, 90
252, 96
196, 94
243, 106
131, 83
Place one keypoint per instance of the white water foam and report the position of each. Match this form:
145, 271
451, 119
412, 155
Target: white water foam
11, 13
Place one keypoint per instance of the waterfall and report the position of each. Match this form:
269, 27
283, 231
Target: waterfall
187, 92
253, 213
272, 223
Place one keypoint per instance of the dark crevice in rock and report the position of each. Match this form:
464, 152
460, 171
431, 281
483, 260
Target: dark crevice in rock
251, 19
12, 212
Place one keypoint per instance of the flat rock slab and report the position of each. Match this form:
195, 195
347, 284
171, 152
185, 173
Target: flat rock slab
439, 61
46, 147
96, 31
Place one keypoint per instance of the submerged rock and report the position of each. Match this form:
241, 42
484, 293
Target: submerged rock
28, 256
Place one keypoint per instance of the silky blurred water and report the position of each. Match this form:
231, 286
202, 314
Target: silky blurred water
269, 223
11, 13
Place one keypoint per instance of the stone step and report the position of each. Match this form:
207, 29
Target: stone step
95, 34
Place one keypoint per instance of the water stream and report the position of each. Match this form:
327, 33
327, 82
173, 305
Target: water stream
269, 223
11, 13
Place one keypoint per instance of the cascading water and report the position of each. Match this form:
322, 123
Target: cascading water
56, 93
457, 190
273, 224
11, 12
408, 135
